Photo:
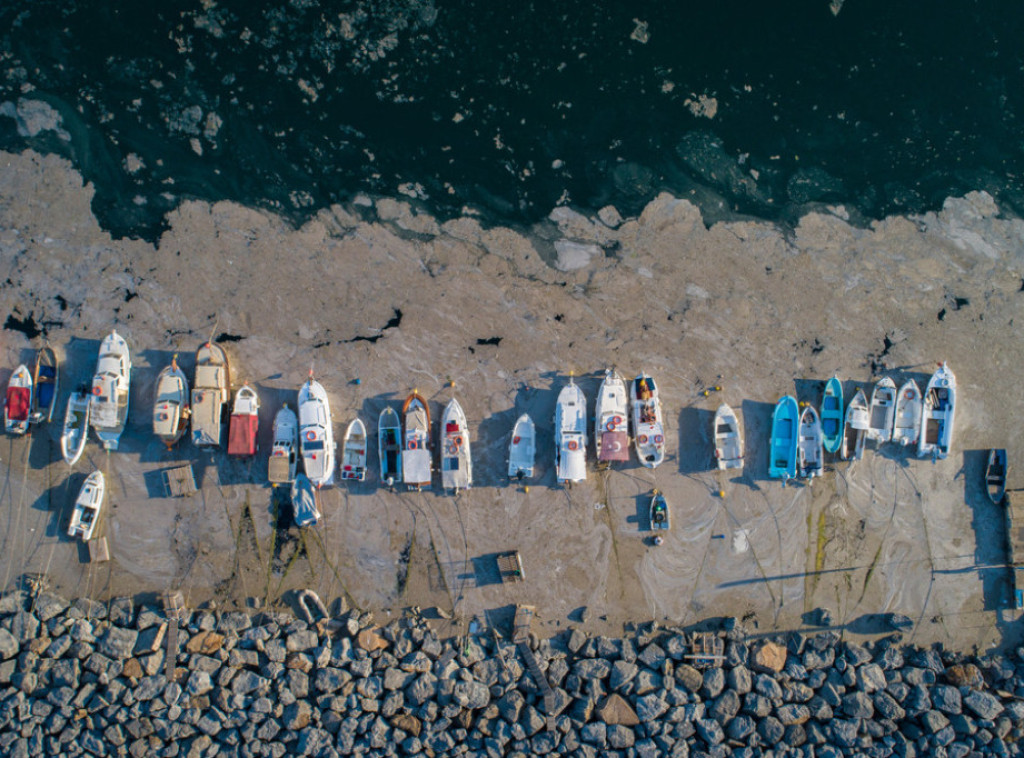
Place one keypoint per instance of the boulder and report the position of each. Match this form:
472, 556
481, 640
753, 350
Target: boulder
769, 658
616, 710
205, 643
370, 640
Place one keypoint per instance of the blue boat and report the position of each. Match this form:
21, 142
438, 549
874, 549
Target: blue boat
832, 415
782, 464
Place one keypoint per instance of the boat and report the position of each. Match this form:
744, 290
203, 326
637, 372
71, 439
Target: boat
611, 419
76, 428
244, 425
305, 508
46, 379
936, 433
18, 405
856, 427
456, 461
659, 515
883, 410
648, 430
283, 450
86, 513
210, 393
522, 450
907, 420
810, 449
832, 415
111, 388
353, 452
782, 464
416, 468
571, 434
995, 475
316, 435
171, 411
728, 439
389, 444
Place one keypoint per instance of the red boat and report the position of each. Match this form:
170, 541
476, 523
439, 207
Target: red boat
245, 423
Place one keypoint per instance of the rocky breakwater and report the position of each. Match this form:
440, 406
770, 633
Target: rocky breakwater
92, 678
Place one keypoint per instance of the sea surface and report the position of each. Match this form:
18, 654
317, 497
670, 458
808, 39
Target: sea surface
753, 109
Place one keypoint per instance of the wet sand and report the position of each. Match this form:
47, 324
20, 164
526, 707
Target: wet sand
384, 294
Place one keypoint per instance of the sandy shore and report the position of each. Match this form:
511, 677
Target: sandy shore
381, 293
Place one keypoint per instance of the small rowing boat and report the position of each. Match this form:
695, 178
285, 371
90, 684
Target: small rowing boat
936, 434
832, 415
283, 451
811, 446
522, 449
47, 380
76, 428
907, 420
856, 427
305, 508
728, 439
995, 475
782, 464
659, 515
353, 452
883, 410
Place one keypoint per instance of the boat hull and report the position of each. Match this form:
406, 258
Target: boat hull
783, 448
353, 455
243, 428
305, 504
660, 518
855, 427
18, 403
648, 427
995, 476
111, 391
389, 443
728, 439
316, 434
937, 415
883, 411
416, 455
611, 419
283, 456
210, 393
907, 419
46, 378
456, 456
171, 410
522, 449
811, 447
571, 435
86, 513
832, 419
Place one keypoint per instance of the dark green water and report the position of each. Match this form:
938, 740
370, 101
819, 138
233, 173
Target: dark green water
510, 107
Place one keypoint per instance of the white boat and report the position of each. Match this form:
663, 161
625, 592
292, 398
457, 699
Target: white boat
571, 434
856, 427
305, 508
86, 514
211, 392
522, 450
907, 423
611, 419
811, 444
936, 433
18, 404
283, 450
316, 436
353, 452
648, 429
244, 425
111, 388
76, 428
883, 410
170, 411
416, 458
389, 446
728, 439
456, 461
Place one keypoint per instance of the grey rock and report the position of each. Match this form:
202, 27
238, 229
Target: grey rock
199, 683
650, 708
740, 728
234, 621
858, 705
725, 708
65, 673
887, 707
620, 737
771, 730
148, 617
843, 732
118, 643
472, 695
328, 680
421, 690
510, 706
871, 678
710, 731
302, 640
757, 705
739, 679
933, 721
622, 673
8, 644
646, 681
984, 704
592, 668
714, 683
689, 677
24, 626
767, 686
122, 611
86, 608
149, 687
652, 656
47, 605
595, 733
792, 714
946, 698
247, 682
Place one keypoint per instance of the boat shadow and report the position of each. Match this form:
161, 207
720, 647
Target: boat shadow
757, 430
696, 446
810, 391
989, 523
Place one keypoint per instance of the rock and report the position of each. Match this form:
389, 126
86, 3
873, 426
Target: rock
793, 714
595, 733
689, 677
620, 736
725, 708
592, 668
964, 675
234, 622
616, 710
771, 730
740, 728
769, 658
622, 673
150, 639
653, 657
710, 731
205, 643
887, 706
306, 639
199, 683
714, 683
297, 715
871, 678
328, 680
651, 707
47, 605
739, 679
246, 682
946, 699
423, 689
65, 673
369, 640
984, 704
471, 695
407, 723
933, 721
609, 216
118, 643
8, 644
122, 611
133, 669
575, 255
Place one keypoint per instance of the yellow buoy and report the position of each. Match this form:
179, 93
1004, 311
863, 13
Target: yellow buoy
526, 489
721, 494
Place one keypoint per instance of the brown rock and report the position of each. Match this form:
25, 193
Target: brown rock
616, 710
132, 668
369, 640
965, 675
205, 643
39, 645
770, 657
407, 723
299, 661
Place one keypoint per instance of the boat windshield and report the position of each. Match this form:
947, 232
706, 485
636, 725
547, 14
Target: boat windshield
315, 445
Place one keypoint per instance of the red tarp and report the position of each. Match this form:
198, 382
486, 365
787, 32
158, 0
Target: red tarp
17, 403
614, 446
242, 435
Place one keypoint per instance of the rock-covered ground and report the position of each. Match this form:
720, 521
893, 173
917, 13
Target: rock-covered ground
90, 678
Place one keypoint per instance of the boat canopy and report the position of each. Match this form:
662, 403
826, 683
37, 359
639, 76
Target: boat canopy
18, 401
242, 434
614, 446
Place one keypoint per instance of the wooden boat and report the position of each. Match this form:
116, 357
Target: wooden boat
46, 378
810, 449
210, 393
316, 434
76, 428
456, 461
728, 439
111, 391
18, 404
353, 452
244, 425
389, 443
832, 415
611, 419
522, 450
305, 508
782, 464
936, 433
284, 449
648, 429
416, 462
907, 420
170, 410
659, 515
883, 410
571, 434
86, 513
995, 475
856, 427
